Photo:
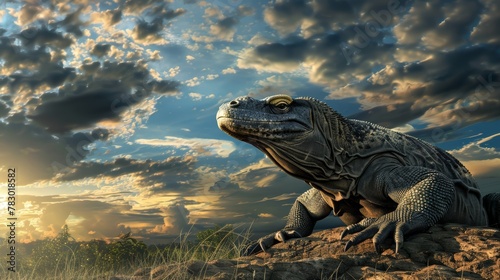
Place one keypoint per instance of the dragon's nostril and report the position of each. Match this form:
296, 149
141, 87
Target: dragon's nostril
234, 103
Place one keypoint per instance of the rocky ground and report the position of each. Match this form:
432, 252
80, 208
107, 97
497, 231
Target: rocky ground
443, 252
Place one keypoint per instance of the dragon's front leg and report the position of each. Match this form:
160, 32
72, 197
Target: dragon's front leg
423, 196
307, 209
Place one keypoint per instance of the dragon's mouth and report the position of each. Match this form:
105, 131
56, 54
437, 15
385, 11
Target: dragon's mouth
246, 129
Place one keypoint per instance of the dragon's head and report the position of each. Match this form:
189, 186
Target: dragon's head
275, 118
294, 133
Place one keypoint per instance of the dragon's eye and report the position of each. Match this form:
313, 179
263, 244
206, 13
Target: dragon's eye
281, 105
280, 102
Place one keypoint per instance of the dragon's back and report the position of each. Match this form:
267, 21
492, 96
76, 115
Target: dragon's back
410, 151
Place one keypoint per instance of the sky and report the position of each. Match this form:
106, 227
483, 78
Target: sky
107, 108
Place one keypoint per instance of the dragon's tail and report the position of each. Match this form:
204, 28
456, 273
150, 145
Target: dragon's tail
491, 203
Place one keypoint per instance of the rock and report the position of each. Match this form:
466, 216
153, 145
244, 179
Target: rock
443, 252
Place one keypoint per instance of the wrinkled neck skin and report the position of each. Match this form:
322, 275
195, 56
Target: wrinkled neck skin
317, 156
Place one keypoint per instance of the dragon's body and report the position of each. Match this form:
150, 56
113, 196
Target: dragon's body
377, 181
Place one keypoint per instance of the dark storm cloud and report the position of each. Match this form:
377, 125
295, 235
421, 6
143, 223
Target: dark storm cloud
43, 37
403, 60
480, 111
224, 186
51, 74
332, 61
101, 93
27, 57
154, 19
293, 53
4, 109
164, 86
148, 31
286, 16
225, 26
438, 27
40, 154
72, 22
154, 176
466, 77
323, 16
83, 110
487, 28
13, 55
101, 50
45, 100
396, 115
137, 7
114, 16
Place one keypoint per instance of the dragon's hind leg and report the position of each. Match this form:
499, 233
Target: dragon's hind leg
491, 203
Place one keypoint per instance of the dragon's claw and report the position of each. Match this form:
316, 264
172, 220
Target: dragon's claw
380, 230
266, 242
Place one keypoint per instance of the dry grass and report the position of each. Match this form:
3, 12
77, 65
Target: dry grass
230, 246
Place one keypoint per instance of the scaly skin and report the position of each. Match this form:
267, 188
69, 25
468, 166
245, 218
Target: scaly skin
379, 182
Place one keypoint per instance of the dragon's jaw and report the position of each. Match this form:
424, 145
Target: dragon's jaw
270, 130
247, 123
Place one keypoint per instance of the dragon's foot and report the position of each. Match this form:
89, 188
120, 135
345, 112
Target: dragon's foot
269, 240
379, 229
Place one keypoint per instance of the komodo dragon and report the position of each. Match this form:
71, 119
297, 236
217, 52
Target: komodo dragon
379, 182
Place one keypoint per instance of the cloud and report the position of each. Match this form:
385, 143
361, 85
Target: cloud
102, 94
100, 50
245, 11
407, 59
441, 28
195, 81
58, 99
482, 159
228, 70
40, 154
196, 146
37, 37
149, 32
4, 109
275, 84
195, 96
225, 27
108, 18
266, 215
104, 219
72, 22
158, 14
104, 216
391, 115
148, 177
156, 216
274, 57
175, 220
287, 16
486, 173
30, 12
172, 72
484, 31
242, 196
476, 150
212, 77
